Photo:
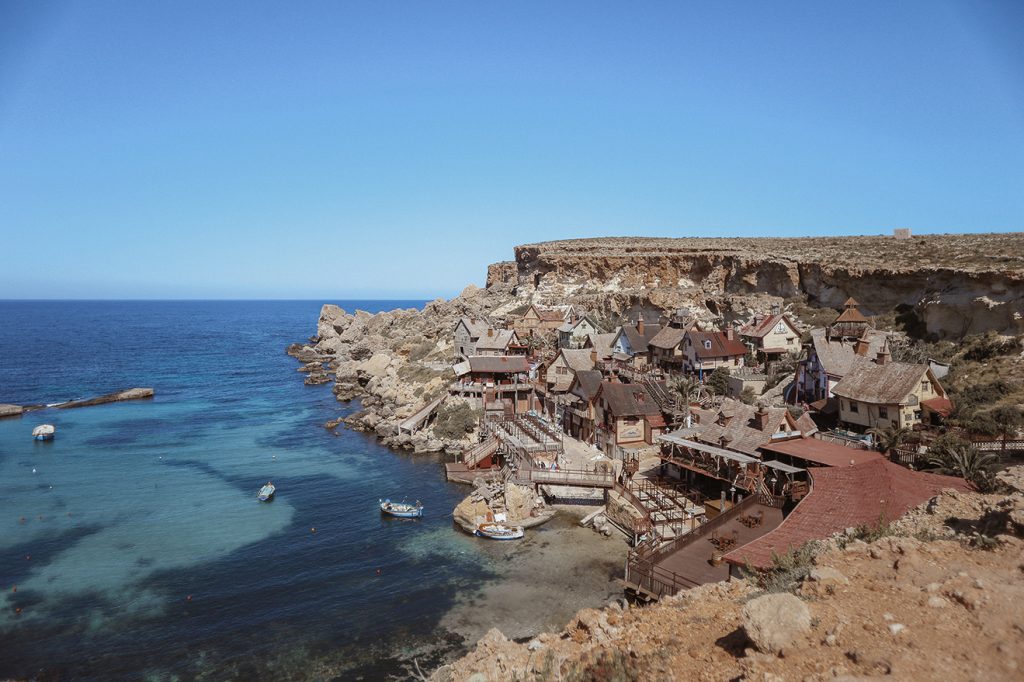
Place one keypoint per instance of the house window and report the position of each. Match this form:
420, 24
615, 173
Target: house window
707, 345
853, 407
924, 385
917, 415
883, 412
789, 341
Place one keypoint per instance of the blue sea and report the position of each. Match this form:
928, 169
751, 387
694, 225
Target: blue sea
133, 544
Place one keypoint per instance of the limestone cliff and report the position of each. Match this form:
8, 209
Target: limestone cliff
955, 284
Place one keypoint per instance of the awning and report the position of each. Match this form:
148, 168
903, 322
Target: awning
776, 464
710, 449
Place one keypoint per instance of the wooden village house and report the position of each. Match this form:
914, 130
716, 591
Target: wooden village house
468, 331
574, 334
631, 344
704, 352
769, 337
877, 393
627, 416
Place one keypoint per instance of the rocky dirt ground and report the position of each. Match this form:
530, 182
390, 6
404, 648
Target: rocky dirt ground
937, 596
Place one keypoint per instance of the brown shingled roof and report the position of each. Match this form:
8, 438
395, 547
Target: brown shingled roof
668, 338
498, 363
887, 384
628, 400
845, 497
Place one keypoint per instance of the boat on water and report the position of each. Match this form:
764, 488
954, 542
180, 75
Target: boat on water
402, 510
266, 492
499, 531
44, 432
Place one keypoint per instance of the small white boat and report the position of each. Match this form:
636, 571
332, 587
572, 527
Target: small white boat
266, 492
499, 531
44, 432
402, 510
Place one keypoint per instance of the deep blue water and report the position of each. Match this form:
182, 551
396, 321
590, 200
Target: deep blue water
106, 531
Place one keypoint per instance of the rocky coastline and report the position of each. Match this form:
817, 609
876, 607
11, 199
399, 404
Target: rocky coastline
393, 363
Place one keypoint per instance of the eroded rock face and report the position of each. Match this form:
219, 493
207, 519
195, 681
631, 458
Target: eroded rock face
955, 284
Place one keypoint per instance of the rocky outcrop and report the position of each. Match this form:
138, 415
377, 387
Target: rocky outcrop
393, 362
954, 284
903, 607
130, 394
11, 410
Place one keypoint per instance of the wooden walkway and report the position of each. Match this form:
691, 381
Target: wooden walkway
457, 472
414, 422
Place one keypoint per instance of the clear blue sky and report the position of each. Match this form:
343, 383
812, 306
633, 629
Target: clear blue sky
393, 149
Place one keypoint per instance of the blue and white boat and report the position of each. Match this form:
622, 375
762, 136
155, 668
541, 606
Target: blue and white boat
266, 493
499, 531
402, 510
44, 432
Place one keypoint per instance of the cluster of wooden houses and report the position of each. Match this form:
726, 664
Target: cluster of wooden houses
617, 389
754, 475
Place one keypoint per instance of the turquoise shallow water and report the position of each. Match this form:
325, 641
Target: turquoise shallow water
108, 530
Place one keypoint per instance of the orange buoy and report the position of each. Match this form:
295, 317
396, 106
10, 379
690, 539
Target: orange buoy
17, 610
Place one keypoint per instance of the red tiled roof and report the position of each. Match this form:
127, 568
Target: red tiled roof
941, 406
821, 452
845, 497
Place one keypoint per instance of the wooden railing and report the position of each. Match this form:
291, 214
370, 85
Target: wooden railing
474, 455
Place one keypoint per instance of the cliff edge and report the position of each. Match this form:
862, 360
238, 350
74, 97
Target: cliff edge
954, 284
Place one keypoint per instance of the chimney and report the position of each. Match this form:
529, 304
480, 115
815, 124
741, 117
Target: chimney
640, 325
860, 347
724, 419
884, 356
593, 355
776, 309
490, 332
730, 333
761, 418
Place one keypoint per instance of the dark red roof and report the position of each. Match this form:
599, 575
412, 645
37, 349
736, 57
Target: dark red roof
721, 345
821, 452
941, 406
845, 497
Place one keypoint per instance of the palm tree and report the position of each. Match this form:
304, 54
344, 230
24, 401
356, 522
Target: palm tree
889, 437
687, 389
962, 459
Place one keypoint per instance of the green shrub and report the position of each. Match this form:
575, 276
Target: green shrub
454, 421
718, 381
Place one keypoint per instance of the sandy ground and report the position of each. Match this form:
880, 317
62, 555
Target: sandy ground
546, 578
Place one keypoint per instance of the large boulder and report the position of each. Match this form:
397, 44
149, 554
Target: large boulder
774, 622
376, 366
333, 321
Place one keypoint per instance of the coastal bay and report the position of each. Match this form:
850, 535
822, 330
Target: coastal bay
153, 502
